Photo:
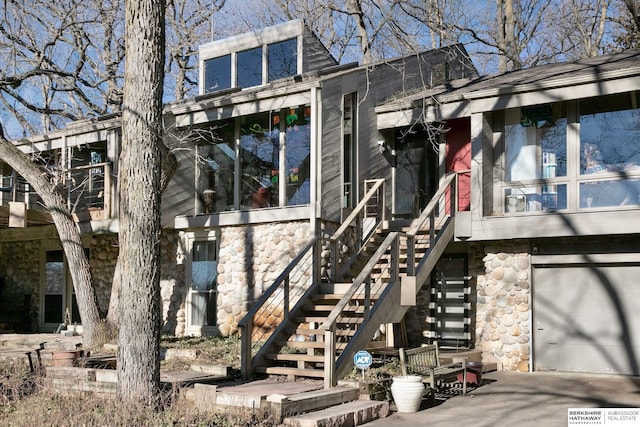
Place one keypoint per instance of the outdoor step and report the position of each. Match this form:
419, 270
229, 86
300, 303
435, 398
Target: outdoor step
296, 372
296, 357
308, 344
330, 307
316, 332
355, 318
336, 297
353, 413
301, 403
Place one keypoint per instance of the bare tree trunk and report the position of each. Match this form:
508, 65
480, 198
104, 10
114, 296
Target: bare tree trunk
93, 327
139, 308
354, 7
169, 166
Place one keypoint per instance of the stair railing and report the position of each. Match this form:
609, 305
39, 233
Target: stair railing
356, 230
268, 317
378, 283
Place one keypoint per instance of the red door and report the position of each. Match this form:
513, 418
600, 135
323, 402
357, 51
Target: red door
459, 158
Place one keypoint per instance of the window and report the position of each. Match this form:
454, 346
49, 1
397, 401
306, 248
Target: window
283, 59
59, 298
249, 68
244, 69
535, 157
204, 272
348, 150
215, 168
601, 170
609, 151
298, 155
217, 73
273, 161
88, 184
259, 160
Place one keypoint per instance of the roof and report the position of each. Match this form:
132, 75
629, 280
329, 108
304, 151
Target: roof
542, 77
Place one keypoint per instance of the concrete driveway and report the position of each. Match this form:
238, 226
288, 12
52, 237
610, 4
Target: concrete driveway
523, 399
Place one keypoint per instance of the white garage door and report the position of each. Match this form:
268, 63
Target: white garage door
587, 319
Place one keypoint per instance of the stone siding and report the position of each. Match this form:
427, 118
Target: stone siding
503, 307
250, 258
20, 285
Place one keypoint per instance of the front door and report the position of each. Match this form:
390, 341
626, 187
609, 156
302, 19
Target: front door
459, 158
416, 174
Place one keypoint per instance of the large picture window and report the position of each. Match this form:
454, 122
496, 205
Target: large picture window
609, 151
601, 170
535, 157
259, 160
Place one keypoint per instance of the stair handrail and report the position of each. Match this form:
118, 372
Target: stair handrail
333, 367
377, 188
373, 188
428, 219
280, 283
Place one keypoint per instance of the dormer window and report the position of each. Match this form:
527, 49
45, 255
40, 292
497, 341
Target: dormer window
217, 72
283, 59
252, 67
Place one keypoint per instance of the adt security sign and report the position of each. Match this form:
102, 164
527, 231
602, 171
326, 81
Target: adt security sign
362, 359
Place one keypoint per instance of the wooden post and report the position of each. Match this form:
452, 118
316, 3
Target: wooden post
330, 358
246, 358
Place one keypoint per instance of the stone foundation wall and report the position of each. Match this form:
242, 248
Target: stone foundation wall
250, 258
503, 307
20, 285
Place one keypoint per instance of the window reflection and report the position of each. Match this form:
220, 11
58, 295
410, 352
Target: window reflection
609, 148
283, 59
217, 73
609, 140
249, 68
259, 160
298, 154
216, 162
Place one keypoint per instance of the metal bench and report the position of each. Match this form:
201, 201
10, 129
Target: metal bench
425, 361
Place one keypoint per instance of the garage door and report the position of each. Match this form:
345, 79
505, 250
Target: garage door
587, 319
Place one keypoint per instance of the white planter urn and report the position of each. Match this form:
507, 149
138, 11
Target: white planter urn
407, 392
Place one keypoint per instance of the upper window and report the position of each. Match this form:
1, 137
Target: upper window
245, 68
283, 59
249, 66
217, 73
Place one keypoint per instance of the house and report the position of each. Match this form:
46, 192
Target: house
322, 208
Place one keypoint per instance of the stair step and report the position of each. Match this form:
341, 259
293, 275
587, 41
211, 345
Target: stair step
352, 318
308, 344
351, 308
296, 357
316, 332
336, 297
279, 370
315, 400
353, 413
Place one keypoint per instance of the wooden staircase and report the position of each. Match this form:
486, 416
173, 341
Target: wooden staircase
326, 320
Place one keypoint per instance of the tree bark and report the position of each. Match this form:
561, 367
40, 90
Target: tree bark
139, 178
92, 325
